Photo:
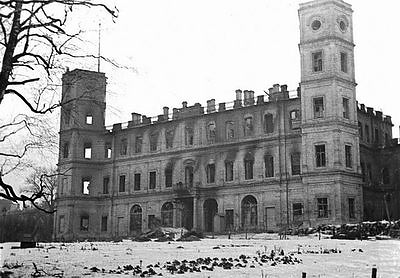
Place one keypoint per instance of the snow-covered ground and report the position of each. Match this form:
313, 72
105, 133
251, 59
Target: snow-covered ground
353, 258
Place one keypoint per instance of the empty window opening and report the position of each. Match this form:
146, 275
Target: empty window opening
153, 142
346, 109
152, 180
228, 171
318, 107
295, 162
89, 119
123, 147
84, 223
168, 177
189, 176
136, 184
317, 61
121, 187
87, 149
248, 126
210, 173
107, 150
320, 156
167, 213
104, 223
348, 155
211, 134
248, 169
86, 186
269, 166
138, 144
106, 184
169, 138
230, 130
268, 123
322, 207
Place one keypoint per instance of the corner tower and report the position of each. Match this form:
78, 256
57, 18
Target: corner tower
330, 146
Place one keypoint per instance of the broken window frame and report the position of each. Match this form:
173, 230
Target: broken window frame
87, 150
85, 187
295, 163
268, 123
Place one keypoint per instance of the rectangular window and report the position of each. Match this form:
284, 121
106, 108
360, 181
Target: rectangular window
343, 62
107, 150
189, 135
85, 186
248, 126
346, 109
152, 180
151, 221
61, 224
66, 150
318, 107
230, 130
320, 157
269, 166
153, 142
295, 119
229, 219
317, 61
106, 184
87, 150
169, 138
348, 155
121, 187
228, 171
138, 144
352, 209
104, 223
248, 169
136, 184
210, 173
367, 133
189, 176
124, 147
211, 133
168, 177
268, 123
85, 223
297, 211
89, 119
322, 207
295, 161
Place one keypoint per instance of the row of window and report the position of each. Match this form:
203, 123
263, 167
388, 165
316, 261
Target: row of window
318, 65
248, 207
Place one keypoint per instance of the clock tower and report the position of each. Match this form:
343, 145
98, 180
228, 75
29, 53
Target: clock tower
330, 146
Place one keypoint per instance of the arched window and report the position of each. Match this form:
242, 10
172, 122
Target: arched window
249, 212
135, 219
167, 213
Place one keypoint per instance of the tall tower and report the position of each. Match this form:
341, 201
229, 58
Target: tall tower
82, 129
330, 146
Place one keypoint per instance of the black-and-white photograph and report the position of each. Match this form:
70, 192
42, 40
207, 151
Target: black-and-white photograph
205, 139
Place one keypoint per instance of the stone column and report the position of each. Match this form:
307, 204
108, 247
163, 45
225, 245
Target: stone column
195, 213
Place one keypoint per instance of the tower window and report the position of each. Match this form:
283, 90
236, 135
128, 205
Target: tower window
152, 180
89, 119
343, 62
136, 184
346, 109
106, 184
318, 107
317, 61
211, 173
87, 150
269, 166
320, 156
138, 144
295, 161
347, 150
124, 147
228, 171
268, 123
66, 150
248, 169
121, 187
322, 207
86, 186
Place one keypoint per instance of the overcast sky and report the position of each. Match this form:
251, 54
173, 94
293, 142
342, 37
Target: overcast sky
197, 50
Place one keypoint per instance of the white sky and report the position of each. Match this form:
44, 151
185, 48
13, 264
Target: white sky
195, 51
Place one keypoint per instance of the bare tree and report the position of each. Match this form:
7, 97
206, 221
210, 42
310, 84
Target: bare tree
35, 37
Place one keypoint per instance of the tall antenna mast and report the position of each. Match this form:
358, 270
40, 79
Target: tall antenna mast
98, 54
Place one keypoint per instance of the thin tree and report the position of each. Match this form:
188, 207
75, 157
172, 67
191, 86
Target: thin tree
34, 38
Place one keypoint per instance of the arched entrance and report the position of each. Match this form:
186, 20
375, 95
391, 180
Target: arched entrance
135, 225
210, 209
249, 212
167, 213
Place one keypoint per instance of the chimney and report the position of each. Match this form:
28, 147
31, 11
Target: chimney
238, 94
221, 107
370, 110
379, 115
284, 88
238, 102
184, 104
388, 119
251, 97
260, 99
275, 88
136, 118
211, 106
165, 113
